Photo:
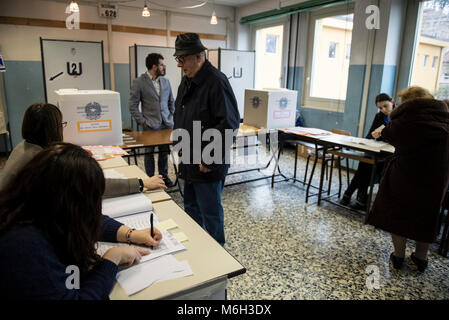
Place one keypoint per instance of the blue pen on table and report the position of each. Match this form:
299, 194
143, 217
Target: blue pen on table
152, 229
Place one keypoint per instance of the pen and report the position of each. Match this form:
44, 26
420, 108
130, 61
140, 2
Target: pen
152, 230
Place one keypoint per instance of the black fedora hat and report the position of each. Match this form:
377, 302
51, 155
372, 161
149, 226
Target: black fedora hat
188, 43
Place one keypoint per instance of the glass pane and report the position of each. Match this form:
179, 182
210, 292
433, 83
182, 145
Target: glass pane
269, 57
431, 63
331, 53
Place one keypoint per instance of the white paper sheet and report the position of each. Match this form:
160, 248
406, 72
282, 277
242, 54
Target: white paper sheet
141, 276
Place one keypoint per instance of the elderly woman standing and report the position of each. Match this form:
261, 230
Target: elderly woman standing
415, 180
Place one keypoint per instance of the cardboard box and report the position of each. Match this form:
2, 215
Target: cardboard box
93, 116
270, 108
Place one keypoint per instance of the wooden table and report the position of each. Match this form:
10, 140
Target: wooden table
133, 141
113, 163
337, 141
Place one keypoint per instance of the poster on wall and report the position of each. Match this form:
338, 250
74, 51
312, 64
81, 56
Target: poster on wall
69, 64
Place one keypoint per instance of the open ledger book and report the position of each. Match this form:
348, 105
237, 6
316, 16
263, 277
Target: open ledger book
135, 211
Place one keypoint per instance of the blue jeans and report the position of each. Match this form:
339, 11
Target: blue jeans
202, 202
162, 162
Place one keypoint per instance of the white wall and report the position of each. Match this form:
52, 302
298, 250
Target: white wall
19, 42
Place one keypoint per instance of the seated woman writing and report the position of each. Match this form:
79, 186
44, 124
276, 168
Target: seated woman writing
50, 219
361, 179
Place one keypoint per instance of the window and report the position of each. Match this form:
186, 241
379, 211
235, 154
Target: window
348, 51
327, 65
270, 46
432, 42
332, 49
434, 62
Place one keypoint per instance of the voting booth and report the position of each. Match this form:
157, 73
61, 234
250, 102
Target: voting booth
93, 116
238, 66
270, 108
71, 64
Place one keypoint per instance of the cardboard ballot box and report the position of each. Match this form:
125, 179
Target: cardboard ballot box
93, 116
270, 108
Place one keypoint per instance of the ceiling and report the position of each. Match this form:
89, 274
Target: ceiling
234, 3
172, 3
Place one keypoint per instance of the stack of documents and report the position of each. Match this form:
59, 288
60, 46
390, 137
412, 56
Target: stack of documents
105, 152
303, 131
143, 275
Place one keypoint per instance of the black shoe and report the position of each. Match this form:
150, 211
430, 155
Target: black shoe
397, 262
359, 206
345, 200
167, 181
421, 264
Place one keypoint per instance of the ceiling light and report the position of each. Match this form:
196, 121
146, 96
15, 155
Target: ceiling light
146, 11
74, 7
213, 19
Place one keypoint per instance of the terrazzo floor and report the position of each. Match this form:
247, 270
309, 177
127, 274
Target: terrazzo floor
293, 250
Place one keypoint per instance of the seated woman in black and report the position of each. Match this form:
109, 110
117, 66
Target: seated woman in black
361, 179
50, 222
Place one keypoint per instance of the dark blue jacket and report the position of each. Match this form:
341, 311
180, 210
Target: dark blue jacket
207, 97
30, 268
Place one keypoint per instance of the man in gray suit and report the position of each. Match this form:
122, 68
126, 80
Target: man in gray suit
153, 90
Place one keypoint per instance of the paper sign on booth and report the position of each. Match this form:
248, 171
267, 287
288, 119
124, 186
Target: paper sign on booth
94, 126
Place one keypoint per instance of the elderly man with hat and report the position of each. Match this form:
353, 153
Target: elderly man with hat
205, 100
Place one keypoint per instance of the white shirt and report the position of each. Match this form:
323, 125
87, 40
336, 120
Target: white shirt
156, 83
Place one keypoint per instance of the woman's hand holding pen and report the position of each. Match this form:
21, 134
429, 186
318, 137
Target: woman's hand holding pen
143, 237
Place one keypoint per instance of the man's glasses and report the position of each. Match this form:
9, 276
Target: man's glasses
64, 124
180, 59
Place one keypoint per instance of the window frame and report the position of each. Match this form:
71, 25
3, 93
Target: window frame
326, 104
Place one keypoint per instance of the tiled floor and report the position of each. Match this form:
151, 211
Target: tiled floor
293, 250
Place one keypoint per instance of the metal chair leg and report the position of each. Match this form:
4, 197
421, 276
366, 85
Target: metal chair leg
339, 176
330, 175
347, 171
307, 167
296, 163
310, 179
